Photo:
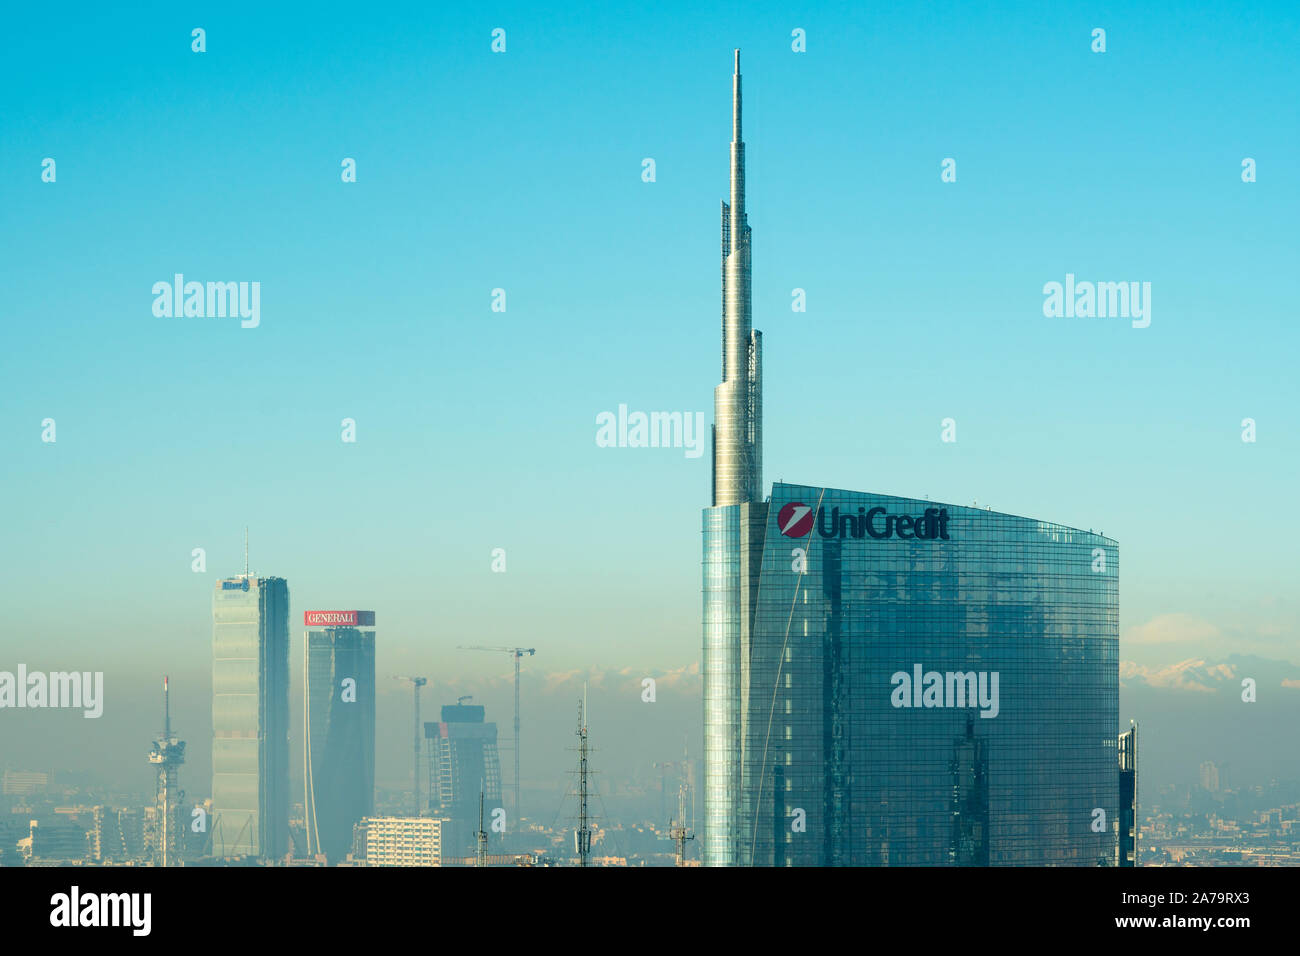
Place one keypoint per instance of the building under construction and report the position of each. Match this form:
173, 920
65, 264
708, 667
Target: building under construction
516, 654
463, 761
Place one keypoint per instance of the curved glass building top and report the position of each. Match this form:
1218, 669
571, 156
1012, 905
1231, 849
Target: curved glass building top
898, 681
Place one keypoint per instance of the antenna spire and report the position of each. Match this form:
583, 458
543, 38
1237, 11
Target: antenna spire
167, 755
738, 400
735, 102
582, 835
245, 551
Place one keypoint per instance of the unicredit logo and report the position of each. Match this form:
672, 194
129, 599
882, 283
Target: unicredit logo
796, 520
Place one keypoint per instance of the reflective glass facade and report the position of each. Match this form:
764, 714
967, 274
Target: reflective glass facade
339, 724
250, 717
921, 685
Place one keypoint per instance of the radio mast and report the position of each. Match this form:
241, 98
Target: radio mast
582, 835
480, 835
678, 830
168, 754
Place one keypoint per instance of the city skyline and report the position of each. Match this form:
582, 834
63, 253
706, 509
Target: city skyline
1158, 401
817, 600
471, 496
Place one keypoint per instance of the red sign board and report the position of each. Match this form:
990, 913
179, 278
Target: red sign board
339, 618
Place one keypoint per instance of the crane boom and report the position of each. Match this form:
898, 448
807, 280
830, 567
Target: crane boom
516, 653
416, 684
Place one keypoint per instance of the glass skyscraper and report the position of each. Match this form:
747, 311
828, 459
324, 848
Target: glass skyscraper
339, 724
893, 681
250, 717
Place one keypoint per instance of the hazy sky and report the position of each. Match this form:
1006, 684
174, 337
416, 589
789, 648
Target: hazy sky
523, 171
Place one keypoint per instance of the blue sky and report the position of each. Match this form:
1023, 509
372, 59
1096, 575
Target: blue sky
522, 171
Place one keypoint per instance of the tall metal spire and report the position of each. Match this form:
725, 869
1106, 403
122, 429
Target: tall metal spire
737, 401
735, 106
168, 754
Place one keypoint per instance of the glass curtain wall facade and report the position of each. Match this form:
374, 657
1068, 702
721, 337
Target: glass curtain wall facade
946, 694
339, 725
733, 540
250, 717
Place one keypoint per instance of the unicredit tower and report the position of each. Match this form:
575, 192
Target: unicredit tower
892, 681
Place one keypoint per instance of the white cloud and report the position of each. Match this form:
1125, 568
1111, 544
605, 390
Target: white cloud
1169, 628
1193, 675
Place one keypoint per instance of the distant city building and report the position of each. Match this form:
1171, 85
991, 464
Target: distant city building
56, 840
119, 835
463, 760
250, 717
1128, 797
339, 728
22, 783
1210, 776
106, 836
151, 827
13, 831
136, 833
401, 841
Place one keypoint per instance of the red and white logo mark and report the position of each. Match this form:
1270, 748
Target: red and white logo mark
795, 520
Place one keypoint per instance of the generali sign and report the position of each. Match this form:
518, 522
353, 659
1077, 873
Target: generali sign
339, 618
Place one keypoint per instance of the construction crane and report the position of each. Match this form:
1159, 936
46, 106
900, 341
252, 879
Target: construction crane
516, 653
685, 778
416, 684
663, 769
